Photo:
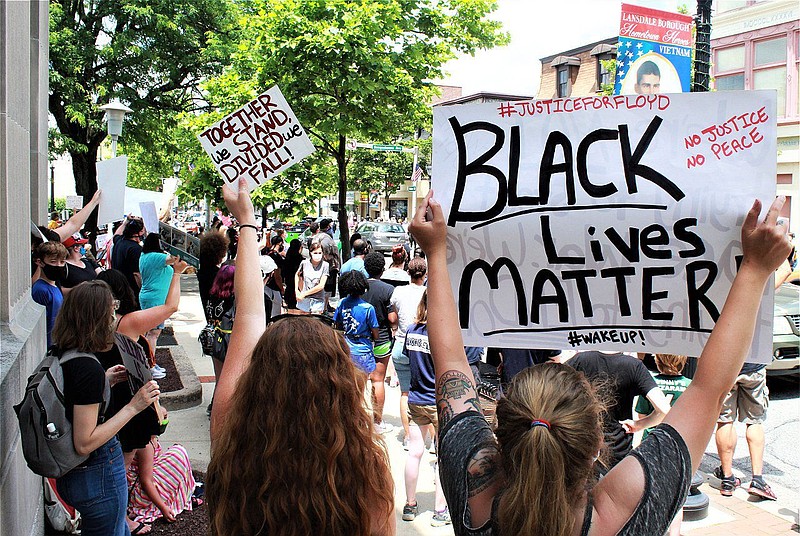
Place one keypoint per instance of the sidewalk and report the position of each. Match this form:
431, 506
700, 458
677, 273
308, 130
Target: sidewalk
728, 516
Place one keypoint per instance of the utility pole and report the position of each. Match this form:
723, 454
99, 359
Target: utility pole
702, 52
52, 187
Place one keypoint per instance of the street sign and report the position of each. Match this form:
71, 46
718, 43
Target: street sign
412, 188
388, 148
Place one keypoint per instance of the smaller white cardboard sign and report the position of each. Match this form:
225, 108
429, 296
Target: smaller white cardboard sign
75, 202
258, 141
149, 216
112, 175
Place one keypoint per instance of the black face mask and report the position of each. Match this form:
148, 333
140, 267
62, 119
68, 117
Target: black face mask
54, 273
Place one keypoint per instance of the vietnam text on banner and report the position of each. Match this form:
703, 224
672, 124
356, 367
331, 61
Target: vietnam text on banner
257, 141
654, 52
603, 222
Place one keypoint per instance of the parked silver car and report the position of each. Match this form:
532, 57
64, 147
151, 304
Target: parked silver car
786, 332
382, 236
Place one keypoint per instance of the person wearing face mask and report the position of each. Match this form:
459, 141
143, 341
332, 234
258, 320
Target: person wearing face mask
79, 267
50, 257
310, 281
126, 251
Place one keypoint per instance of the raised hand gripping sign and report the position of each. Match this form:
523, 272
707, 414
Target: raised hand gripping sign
258, 141
602, 222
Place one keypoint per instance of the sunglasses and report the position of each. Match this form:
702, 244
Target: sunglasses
327, 320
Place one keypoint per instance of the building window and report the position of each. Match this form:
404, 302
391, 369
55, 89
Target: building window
769, 69
763, 64
603, 74
563, 81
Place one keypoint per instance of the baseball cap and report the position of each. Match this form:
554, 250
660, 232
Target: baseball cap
74, 240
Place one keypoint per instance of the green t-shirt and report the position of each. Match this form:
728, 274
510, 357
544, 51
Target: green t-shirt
673, 387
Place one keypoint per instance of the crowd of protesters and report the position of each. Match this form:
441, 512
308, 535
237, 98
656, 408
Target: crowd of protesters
301, 380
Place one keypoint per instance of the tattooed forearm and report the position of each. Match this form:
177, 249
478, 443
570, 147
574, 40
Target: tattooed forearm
455, 394
483, 470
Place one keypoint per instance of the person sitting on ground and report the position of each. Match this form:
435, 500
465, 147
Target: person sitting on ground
379, 295
536, 475
213, 250
422, 414
396, 275
156, 271
160, 483
50, 257
97, 487
79, 267
356, 262
357, 319
294, 451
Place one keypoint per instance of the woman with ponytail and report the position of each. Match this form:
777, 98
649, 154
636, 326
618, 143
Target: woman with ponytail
537, 476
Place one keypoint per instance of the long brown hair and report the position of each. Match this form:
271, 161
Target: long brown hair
86, 319
548, 469
298, 454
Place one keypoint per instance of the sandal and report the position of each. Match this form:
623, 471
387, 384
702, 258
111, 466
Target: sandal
197, 502
141, 528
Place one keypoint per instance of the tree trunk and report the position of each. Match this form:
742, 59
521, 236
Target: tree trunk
84, 169
344, 229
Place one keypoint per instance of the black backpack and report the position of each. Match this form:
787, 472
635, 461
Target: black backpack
45, 432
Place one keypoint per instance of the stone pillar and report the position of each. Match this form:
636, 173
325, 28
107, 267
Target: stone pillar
23, 197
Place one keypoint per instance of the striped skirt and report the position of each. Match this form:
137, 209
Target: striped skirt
172, 474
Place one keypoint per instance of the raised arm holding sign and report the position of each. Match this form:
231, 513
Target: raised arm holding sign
548, 426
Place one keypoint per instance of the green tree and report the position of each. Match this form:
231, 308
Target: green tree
151, 54
358, 69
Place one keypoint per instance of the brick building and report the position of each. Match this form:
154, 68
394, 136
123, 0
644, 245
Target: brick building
577, 72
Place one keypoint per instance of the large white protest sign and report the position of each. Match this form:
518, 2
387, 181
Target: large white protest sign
112, 175
602, 222
257, 141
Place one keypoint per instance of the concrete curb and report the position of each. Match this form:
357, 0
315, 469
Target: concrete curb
192, 393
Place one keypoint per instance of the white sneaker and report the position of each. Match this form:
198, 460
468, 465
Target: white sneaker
159, 368
383, 427
157, 374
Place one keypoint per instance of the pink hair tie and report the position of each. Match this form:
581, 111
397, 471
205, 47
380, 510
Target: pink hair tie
540, 422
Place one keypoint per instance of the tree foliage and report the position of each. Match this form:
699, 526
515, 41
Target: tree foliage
358, 69
151, 54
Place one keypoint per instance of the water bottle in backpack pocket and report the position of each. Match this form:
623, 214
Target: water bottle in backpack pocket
45, 432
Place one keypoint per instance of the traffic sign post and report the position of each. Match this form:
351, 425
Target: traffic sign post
387, 148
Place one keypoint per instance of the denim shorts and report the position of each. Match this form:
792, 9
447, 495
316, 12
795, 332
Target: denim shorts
98, 489
401, 366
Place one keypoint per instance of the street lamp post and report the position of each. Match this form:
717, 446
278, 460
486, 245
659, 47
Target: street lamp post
115, 114
52, 187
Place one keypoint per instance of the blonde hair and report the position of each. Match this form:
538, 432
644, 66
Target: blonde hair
422, 309
548, 469
670, 364
298, 453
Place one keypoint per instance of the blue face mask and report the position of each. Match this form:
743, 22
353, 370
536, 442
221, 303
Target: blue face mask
83, 251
